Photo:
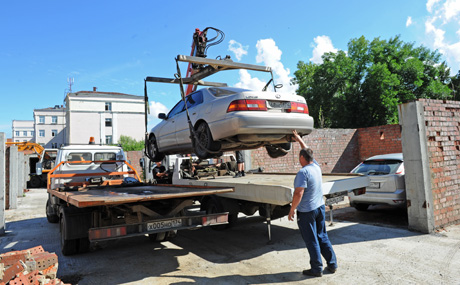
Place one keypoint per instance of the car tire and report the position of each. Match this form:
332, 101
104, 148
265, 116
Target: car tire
35, 181
205, 146
152, 149
278, 150
361, 207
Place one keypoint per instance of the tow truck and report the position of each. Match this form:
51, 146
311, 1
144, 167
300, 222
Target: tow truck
96, 195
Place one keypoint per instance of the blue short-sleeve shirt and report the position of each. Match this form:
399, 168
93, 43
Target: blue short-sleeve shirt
310, 178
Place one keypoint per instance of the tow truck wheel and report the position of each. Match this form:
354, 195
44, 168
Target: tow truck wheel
213, 206
68, 246
50, 214
152, 149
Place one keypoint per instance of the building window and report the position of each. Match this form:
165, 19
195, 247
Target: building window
24, 133
41, 133
41, 119
17, 133
108, 122
32, 133
108, 139
54, 133
54, 120
54, 145
16, 140
108, 106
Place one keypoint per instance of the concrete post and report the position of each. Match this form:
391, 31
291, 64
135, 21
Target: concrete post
20, 170
416, 163
148, 168
247, 159
2, 183
14, 182
26, 170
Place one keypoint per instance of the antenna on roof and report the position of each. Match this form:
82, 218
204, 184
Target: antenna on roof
70, 80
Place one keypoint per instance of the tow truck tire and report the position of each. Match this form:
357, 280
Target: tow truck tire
83, 245
68, 246
50, 215
152, 149
212, 206
278, 150
204, 142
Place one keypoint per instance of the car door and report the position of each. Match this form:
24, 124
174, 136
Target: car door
166, 138
194, 101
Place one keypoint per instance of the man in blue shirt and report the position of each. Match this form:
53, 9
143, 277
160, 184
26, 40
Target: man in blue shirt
308, 200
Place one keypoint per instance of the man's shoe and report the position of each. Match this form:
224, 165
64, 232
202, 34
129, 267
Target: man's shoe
312, 273
331, 269
242, 173
238, 174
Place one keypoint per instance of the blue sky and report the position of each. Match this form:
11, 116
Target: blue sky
114, 45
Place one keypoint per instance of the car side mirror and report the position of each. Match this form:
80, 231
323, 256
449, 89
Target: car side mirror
162, 116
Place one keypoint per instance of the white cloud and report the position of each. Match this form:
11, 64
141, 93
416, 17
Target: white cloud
155, 109
409, 21
430, 4
268, 54
323, 45
238, 49
441, 28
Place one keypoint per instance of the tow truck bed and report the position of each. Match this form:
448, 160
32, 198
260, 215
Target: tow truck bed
115, 195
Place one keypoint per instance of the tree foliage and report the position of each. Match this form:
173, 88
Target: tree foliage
363, 87
128, 143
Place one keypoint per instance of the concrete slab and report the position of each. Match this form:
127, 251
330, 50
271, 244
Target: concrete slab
241, 255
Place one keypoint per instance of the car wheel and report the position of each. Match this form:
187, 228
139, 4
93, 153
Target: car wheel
278, 150
205, 147
35, 181
152, 149
361, 207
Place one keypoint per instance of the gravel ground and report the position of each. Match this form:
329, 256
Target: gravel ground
241, 255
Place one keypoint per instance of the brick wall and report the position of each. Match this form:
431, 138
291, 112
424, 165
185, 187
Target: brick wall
442, 121
134, 157
335, 149
379, 140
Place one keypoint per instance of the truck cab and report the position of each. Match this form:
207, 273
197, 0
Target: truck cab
97, 162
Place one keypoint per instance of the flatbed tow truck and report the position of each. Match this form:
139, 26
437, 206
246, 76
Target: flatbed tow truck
94, 196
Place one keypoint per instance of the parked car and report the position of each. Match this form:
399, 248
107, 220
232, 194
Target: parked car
386, 175
227, 119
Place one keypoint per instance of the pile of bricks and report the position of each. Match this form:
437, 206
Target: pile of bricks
30, 266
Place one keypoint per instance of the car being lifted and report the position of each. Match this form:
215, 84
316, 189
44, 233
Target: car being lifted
226, 119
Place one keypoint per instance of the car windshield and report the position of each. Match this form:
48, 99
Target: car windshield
378, 167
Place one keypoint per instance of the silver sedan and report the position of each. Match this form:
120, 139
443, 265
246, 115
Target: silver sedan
227, 119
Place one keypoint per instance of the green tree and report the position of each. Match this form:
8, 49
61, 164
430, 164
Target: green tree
363, 86
128, 143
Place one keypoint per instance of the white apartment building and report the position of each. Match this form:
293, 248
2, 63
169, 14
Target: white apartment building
23, 131
50, 126
103, 115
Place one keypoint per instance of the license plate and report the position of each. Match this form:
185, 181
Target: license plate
279, 105
164, 225
334, 200
374, 185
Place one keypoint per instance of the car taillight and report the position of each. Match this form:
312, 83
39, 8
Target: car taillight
247, 105
297, 107
400, 169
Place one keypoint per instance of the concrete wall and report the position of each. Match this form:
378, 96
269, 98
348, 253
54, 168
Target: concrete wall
13, 178
2, 183
435, 185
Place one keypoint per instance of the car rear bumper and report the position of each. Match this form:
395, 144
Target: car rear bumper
397, 198
249, 125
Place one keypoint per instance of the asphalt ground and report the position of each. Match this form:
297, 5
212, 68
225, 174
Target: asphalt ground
368, 251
